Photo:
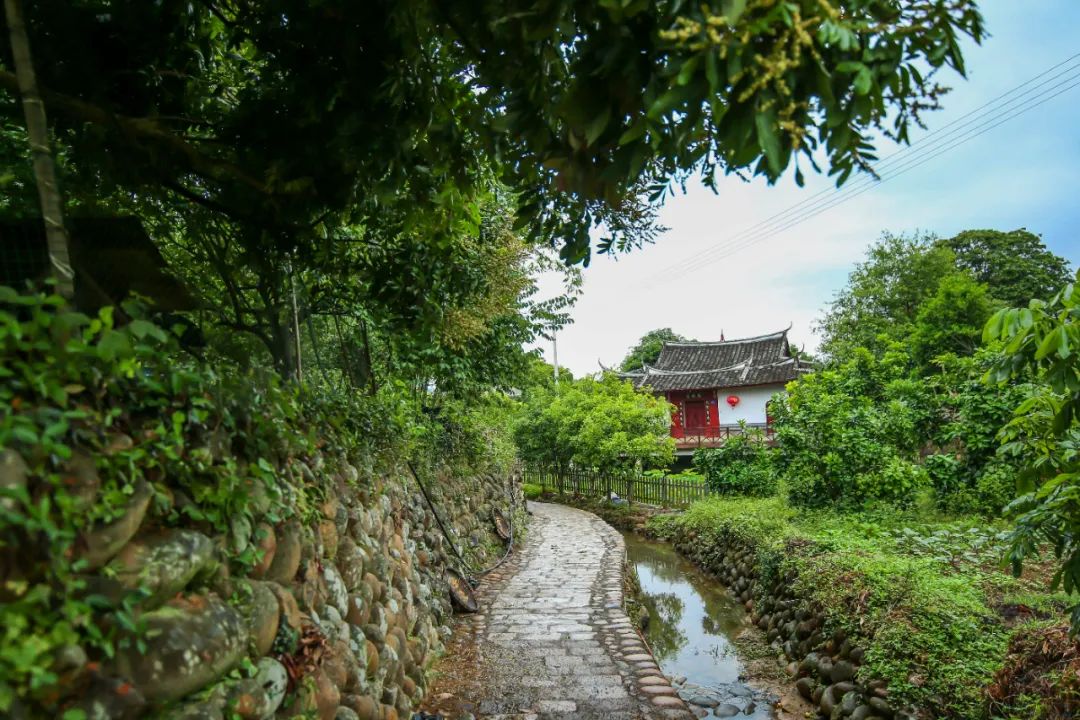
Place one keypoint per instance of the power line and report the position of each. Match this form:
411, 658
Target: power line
916, 162
922, 149
928, 147
925, 148
811, 205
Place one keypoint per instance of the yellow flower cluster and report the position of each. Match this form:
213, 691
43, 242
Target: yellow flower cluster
792, 44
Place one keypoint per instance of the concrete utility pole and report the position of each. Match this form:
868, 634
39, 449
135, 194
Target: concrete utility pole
555, 357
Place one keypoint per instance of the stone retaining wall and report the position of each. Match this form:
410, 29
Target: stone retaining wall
338, 615
825, 665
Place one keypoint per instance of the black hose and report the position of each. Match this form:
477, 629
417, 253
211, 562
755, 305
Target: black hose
469, 572
509, 543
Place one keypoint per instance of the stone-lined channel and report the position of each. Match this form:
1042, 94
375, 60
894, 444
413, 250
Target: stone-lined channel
693, 622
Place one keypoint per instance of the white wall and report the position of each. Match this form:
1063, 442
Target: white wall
751, 407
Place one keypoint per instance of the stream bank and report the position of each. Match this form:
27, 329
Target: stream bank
703, 638
865, 623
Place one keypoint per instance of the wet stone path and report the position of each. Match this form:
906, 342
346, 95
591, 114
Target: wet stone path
551, 639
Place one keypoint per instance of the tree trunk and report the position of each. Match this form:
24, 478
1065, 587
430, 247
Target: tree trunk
372, 384
284, 350
298, 353
37, 129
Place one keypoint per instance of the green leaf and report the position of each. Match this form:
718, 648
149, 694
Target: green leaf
25, 434
733, 10
864, 80
670, 100
993, 327
712, 70
767, 138
686, 72
143, 328
634, 132
597, 125
1048, 345
113, 344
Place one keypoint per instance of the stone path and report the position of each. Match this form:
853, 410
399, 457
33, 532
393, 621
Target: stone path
551, 639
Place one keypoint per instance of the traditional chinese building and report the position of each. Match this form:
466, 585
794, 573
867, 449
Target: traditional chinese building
715, 386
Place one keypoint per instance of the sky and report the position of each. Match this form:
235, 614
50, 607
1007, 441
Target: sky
1022, 173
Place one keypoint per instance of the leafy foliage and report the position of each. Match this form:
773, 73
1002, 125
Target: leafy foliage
580, 108
848, 435
918, 596
884, 295
1042, 338
937, 293
648, 348
1015, 265
77, 390
951, 320
741, 466
910, 313
597, 423
102, 413
968, 473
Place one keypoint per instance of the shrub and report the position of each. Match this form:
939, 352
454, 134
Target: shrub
750, 520
968, 473
532, 492
600, 423
741, 466
987, 494
899, 482
848, 436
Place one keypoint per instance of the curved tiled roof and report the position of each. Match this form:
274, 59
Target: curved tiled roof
760, 350
761, 360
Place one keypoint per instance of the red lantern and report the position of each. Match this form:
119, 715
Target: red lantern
733, 400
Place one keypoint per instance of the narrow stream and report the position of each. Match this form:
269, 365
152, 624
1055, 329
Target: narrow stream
693, 620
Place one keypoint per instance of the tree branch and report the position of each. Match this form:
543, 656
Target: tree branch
145, 129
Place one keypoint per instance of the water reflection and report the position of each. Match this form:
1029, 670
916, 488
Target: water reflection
665, 618
692, 616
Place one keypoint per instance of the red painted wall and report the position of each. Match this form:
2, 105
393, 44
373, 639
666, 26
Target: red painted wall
678, 398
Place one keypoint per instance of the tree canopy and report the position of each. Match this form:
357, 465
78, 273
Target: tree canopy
1015, 265
600, 423
383, 177
290, 117
935, 293
884, 295
648, 348
900, 409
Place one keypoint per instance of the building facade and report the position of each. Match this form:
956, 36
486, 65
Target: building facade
717, 387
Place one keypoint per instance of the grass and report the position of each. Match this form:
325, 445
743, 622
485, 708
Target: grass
926, 596
687, 475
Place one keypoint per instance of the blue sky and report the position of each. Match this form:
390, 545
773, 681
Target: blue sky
1023, 173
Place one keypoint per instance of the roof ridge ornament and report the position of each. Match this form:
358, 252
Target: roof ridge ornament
705, 343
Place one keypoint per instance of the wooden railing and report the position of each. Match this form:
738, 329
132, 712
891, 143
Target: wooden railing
633, 487
713, 435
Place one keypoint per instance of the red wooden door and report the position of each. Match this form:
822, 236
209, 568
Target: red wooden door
696, 417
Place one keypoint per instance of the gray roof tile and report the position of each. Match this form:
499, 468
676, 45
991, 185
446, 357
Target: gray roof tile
761, 360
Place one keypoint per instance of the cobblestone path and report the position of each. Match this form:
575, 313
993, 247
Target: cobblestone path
551, 639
